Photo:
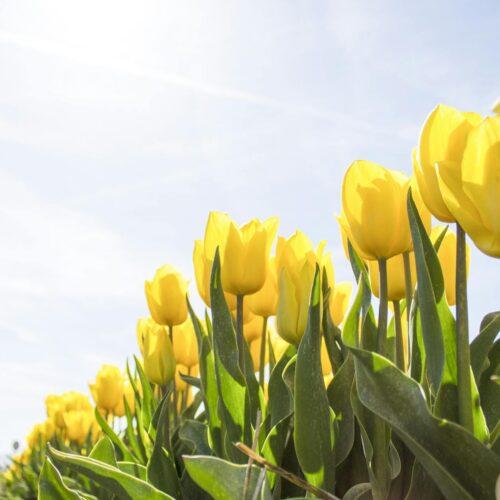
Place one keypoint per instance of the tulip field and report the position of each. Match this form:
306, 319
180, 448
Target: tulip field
290, 384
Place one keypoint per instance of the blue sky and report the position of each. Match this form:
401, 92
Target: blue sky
122, 124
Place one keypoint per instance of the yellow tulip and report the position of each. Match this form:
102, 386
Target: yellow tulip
159, 359
185, 344
265, 301
423, 211
40, 434
107, 390
472, 191
396, 289
58, 404
443, 139
129, 395
246, 256
374, 204
278, 344
78, 424
166, 296
345, 234
339, 301
296, 264
447, 255
252, 328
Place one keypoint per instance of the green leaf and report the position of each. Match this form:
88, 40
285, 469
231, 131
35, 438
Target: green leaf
161, 467
51, 485
481, 345
458, 463
135, 439
430, 293
208, 381
224, 480
104, 451
234, 401
126, 455
194, 381
489, 389
137, 470
196, 435
123, 485
148, 400
314, 434
357, 491
338, 392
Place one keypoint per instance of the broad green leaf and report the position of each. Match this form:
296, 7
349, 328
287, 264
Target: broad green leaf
314, 434
422, 486
481, 345
196, 435
224, 480
126, 455
338, 392
161, 467
123, 485
430, 293
357, 491
234, 400
458, 463
51, 485
133, 469
104, 451
208, 381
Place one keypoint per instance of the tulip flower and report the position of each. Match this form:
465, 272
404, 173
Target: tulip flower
159, 359
57, 405
396, 289
78, 425
166, 296
471, 190
443, 139
253, 327
297, 262
107, 390
265, 301
246, 255
185, 344
129, 395
339, 301
40, 434
447, 255
374, 204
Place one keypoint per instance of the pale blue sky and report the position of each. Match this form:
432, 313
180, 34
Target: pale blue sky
123, 123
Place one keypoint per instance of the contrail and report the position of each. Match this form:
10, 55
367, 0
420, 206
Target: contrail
74, 55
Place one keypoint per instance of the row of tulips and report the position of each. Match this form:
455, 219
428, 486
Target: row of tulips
329, 399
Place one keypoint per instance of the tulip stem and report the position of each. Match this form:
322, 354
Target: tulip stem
262, 358
174, 389
382, 311
400, 348
408, 286
463, 350
185, 393
163, 391
240, 339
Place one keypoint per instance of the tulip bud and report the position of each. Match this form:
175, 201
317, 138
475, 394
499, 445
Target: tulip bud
447, 255
472, 191
443, 139
185, 344
246, 255
129, 395
107, 390
159, 359
252, 327
297, 265
78, 424
166, 296
339, 301
396, 289
374, 204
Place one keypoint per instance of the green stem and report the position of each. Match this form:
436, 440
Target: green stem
262, 358
272, 359
240, 339
400, 348
185, 394
163, 391
408, 286
463, 350
382, 311
174, 390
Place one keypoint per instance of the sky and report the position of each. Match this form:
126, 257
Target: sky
122, 124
